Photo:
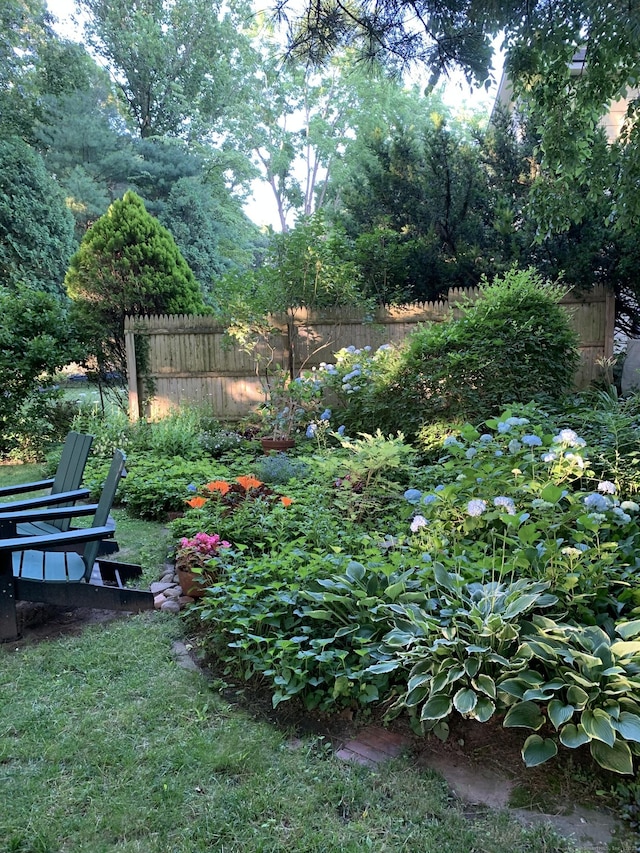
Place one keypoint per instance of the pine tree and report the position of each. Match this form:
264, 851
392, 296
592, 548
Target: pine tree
127, 263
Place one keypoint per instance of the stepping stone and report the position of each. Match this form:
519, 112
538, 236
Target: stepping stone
372, 746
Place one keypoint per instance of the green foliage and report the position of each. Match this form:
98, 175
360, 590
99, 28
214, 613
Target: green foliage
127, 263
307, 624
588, 690
155, 486
279, 469
456, 648
36, 340
357, 379
514, 343
509, 503
36, 228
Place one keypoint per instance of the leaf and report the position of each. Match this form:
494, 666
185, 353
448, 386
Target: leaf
537, 750
551, 493
436, 708
414, 697
484, 710
598, 725
465, 700
394, 590
522, 603
628, 726
355, 571
616, 758
628, 629
486, 684
559, 713
443, 578
385, 666
577, 696
625, 647
573, 736
525, 715
471, 666
320, 614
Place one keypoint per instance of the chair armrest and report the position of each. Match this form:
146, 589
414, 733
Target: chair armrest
48, 514
39, 543
45, 500
19, 488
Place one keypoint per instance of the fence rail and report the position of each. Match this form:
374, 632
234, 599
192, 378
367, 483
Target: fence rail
190, 358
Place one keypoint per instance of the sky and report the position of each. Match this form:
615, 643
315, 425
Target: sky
261, 208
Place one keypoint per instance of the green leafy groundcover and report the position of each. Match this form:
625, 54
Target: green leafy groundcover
503, 583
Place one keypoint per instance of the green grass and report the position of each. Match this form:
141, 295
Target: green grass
107, 745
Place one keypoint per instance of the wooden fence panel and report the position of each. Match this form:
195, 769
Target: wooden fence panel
190, 358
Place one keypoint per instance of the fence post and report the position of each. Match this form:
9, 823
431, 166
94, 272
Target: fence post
132, 372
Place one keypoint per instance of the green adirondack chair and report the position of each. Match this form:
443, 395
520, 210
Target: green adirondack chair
64, 488
46, 568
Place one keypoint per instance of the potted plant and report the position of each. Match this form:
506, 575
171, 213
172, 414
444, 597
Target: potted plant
199, 561
289, 405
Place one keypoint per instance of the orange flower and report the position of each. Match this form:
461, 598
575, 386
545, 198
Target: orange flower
196, 503
249, 482
286, 501
218, 486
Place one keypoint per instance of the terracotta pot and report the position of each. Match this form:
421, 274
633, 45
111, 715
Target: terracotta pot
277, 444
192, 584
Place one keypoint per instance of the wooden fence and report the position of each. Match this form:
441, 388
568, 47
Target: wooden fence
190, 358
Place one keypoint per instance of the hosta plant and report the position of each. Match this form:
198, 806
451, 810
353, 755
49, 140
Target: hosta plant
587, 689
456, 650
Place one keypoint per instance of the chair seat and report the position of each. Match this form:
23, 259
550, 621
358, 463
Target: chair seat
60, 566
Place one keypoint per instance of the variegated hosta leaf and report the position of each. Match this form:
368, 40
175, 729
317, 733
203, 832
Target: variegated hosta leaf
599, 726
526, 715
436, 708
616, 758
537, 750
484, 710
559, 713
465, 700
628, 726
573, 736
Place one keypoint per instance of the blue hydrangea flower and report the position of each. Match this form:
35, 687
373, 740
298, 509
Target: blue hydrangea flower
505, 502
499, 453
439, 488
549, 457
531, 440
485, 438
621, 515
514, 446
311, 430
476, 507
418, 522
606, 487
340, 429
597, 502
471, 452
192, 487
326, 415
504, 426
451, 441
570, 438
412, 495
429, 499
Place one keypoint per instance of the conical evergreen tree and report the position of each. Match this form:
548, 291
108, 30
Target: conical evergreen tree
127, 263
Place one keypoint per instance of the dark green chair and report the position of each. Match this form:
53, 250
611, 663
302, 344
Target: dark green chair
64, 488
48, 568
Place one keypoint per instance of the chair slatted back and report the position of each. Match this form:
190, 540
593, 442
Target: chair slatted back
101, 517
71, 468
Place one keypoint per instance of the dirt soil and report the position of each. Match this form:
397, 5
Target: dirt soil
481, 763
